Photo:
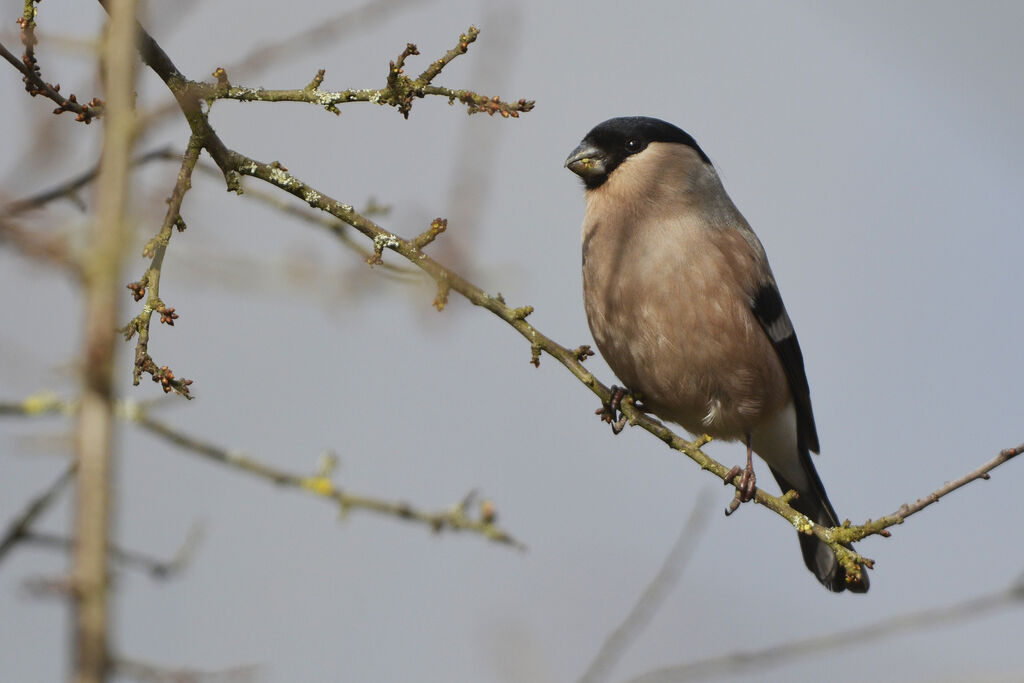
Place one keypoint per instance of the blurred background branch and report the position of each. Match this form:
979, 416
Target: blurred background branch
1009, 597
457, 517
654, 595
94, 438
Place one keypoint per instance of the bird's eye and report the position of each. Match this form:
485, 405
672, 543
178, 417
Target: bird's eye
633, 145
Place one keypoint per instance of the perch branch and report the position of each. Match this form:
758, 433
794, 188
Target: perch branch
907, 509
382, 239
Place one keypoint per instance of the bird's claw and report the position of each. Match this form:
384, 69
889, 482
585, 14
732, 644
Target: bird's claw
745, 490
609, 412
734, 504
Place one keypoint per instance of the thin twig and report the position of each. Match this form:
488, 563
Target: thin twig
399, 91
147, 672
908, 509
392, 95
971, 608
34, 83
20, 526
155, 567
49, 250
155, 249
616, 644
70, 187
56, 250
288, 206
457, 517
476, 147
330, 29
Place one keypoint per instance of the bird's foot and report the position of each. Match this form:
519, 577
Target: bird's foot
609, 412
745, 490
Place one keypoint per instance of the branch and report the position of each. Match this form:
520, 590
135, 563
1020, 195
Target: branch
20, 527
971, 608
94, 431
329, 223
399, 91
616, 644
907, 509
320, 484
155, 567
50, 250
304, 41
454, 518
28, 65
137, 670
447, 280
516, 317
55, 250
155, 249
69, 188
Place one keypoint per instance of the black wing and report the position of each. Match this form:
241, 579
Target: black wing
771, 313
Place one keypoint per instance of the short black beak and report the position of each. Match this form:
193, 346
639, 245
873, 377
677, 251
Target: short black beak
586, 161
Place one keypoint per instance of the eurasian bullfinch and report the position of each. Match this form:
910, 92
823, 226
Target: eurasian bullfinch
684, 308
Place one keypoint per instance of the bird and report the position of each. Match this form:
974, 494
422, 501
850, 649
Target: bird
684, 308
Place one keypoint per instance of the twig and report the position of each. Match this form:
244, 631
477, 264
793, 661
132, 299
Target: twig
475, 147
305, 41
55, 250
155, 249
320, 484
331, 224
20, 526
399, 91
907, 509
155, 567
189, 95
971, 608
49, 250
399, 95
146, 672
457, 517
616, 644
28, 65
69, 187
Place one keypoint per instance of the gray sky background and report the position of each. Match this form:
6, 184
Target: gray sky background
876, 149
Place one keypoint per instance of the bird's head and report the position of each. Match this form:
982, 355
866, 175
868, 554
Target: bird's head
611, 143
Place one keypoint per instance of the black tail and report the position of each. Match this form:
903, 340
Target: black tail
818, 557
